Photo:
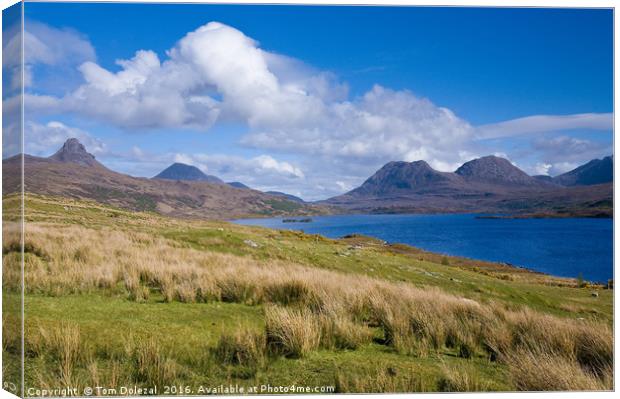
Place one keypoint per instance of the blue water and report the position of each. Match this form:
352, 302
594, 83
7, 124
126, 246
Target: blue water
561, 247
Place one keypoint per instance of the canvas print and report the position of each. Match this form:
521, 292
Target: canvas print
276, 199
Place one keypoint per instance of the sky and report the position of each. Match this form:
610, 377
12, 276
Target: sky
313, 100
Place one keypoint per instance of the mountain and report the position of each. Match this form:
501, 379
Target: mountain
495, 170
489, 184
73, 151
237, 184
181, 171
545, 178
74, 173
285, 196
398, 177
596, 171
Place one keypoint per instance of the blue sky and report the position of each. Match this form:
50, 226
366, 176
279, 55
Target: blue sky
312, 100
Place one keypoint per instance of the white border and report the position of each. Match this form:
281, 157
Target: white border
479, 3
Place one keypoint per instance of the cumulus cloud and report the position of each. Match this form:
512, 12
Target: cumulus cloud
382, 124
217, 74
43, 45
47, 45
546, 123
262, 172
44, 139
542, 168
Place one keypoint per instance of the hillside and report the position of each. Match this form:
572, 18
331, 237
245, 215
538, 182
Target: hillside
597, 171
489, 184
290, 197
74, 173
195, 303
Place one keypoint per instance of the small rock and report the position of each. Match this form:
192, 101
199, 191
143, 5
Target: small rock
595, 294
251, 243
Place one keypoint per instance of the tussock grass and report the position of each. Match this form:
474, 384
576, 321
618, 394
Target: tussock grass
544, 371
290, 332
65, 345
307, 308
339, 332
151, 365
461, 379
244, 347
381, 380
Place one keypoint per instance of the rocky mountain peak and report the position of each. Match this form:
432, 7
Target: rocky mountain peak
400, 175
494, 169
73, 151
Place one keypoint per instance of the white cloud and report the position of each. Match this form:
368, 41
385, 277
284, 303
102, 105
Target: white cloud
218, 74
545, 123
566, 148
262, 172
44, 44
562, 167
381, 125
44, 139
542, 168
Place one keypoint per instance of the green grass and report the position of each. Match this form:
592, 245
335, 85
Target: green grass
189, 332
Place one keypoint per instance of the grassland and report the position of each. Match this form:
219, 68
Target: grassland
117, 298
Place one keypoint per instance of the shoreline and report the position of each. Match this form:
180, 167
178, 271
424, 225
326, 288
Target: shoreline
414, 250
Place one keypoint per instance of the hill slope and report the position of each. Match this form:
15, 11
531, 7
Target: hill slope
172, 286
597, 171
73, 173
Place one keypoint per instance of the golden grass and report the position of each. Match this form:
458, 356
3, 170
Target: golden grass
381, 380
243, 347
461, 379
544, 371
307, 308
151, 365
291, 332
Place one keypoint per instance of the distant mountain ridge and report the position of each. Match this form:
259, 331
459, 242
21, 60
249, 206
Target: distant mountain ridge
597, 171
487, 184
237, 184
496, 170
290, 197
181, 171
74, 173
